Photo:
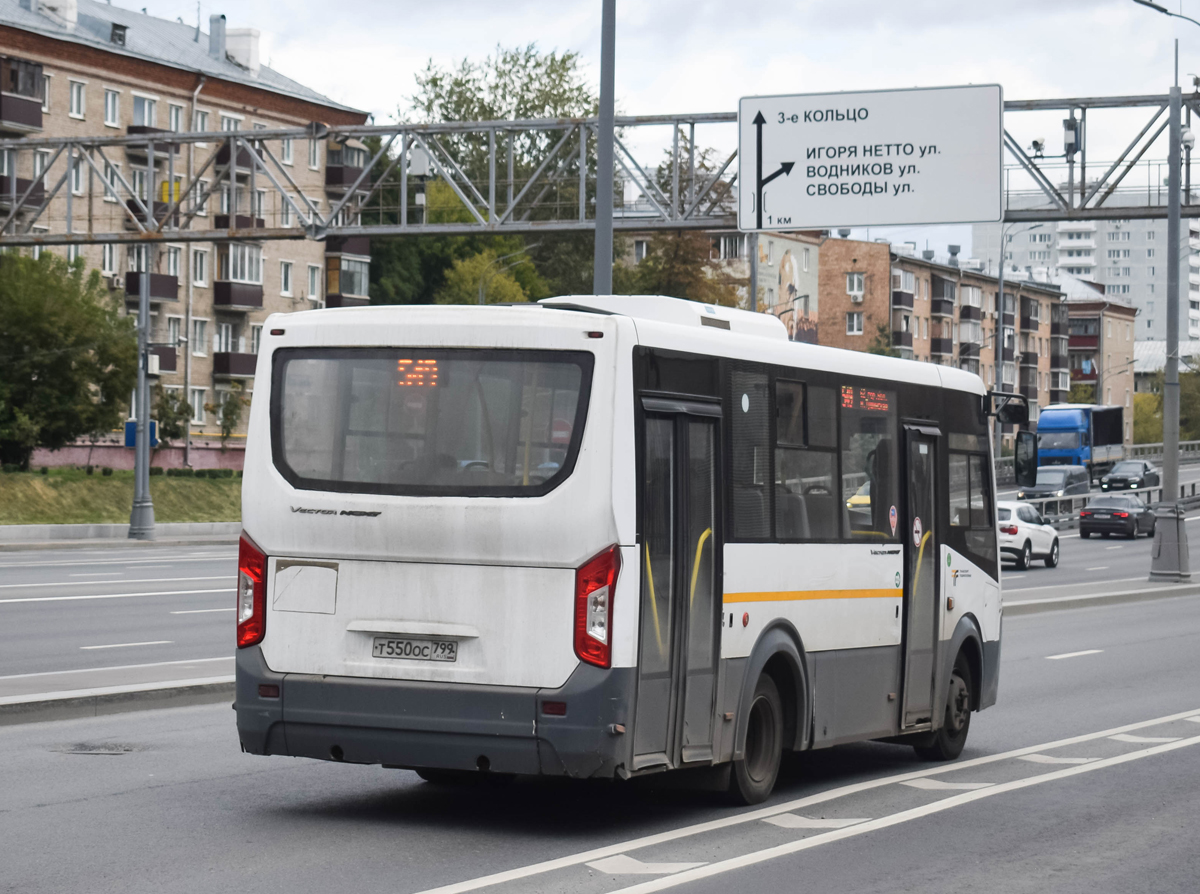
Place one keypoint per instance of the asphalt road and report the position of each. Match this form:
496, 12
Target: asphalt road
164, 800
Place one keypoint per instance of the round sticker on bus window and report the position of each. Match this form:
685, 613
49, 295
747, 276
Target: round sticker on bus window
745, 403
892, 519
917, 531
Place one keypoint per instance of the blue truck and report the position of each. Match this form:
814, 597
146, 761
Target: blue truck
1081, 435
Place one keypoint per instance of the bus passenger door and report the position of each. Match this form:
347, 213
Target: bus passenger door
921, 569
679, 633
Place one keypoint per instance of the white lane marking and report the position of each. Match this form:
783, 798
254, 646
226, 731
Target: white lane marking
938, 785
153, 642
1047, 759
794, 821
96, 574
113, 595
147, 580
1074, 654
117, 667
1113, 547
528, 871
622, 864
1141, 740
1097, 568
203, 611
206, 557
1193, 719
713, 869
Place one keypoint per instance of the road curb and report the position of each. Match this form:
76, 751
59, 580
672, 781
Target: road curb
116, 544
114, 700
1037, 606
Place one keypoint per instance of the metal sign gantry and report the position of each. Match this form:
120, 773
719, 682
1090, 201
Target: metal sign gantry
517, 176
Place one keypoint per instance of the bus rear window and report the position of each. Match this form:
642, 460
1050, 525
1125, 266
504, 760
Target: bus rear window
428, 422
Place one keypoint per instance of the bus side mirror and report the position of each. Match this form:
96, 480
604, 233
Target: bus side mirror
1025, 460
1009, 409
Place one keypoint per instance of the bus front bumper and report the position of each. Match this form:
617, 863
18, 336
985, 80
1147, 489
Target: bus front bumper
448, 726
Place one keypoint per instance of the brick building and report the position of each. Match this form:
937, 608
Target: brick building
788, 276
87, 69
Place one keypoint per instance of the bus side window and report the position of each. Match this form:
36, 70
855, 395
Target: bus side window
750, 458
869, 463
806, 503
960, 502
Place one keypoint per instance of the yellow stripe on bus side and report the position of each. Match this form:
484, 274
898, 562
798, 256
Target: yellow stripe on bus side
797, 595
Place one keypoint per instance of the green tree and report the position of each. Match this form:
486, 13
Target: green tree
466, 275
172, 412
1147, 418
882, 343
228, 410
678, 263
1082, 393
68, 356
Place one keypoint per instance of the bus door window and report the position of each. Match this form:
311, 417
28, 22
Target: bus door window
922, 602
699, 564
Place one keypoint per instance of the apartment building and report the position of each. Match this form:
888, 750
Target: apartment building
1126, 258
787, 276
1102, 352
874, 293
83, 68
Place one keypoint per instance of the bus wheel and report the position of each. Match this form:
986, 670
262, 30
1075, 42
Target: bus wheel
752, 778
947, 743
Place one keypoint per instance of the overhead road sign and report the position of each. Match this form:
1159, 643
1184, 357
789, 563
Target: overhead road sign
887, 157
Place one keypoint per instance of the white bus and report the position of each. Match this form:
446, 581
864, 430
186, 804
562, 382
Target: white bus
608, 537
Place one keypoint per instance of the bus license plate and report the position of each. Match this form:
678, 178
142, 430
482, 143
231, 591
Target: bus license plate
415, 649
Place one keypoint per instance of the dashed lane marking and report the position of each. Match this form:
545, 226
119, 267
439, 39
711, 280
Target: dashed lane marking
1097, 568
622, 864
203, 611
117, 667
938, 785
714, 869
1141, 740
795, 821
750, 816
1074, 654
112, 596
84, 583
153, 642
1048, 759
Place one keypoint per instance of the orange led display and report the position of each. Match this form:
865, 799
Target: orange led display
417, 373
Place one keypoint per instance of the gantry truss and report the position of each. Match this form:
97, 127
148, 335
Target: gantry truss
520, 176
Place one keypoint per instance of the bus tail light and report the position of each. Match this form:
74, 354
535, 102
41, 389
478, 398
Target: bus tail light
1008, 529
595, 585
252, 596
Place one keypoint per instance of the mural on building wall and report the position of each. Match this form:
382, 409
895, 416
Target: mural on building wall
797, 309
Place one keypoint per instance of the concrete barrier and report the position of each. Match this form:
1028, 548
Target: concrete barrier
18, 534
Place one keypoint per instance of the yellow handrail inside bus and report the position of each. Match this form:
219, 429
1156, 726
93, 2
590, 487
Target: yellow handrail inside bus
654, 603
920, 555
696, 565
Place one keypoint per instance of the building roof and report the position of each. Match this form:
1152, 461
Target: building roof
173, 44
1150, 357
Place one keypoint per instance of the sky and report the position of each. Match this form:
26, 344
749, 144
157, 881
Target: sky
676, 56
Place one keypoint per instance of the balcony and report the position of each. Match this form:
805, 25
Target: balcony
244, 159
237, 296
940, 307
351, 245
237, 222
341, 177
231, 365
944, 346
901, 339
902, 299
9, 185
966, 350
1077, 226
1058, 361
1029, 392
1006, 354
20, 114
158, 209
161, 148
1067, 261
1057, 328
970, 312
1030, 324
1084, 342
168, 359
163, 287
346, 301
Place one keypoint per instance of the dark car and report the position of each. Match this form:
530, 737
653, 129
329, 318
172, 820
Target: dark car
1131, 474
1116, 515
1057, 481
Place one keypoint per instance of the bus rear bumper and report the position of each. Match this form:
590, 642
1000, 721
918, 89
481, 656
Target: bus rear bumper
449, 726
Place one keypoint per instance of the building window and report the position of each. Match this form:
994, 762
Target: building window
77, 164
285, 213
241, 263
255, 338
112, 108
347, 276
174, 330
137, 258
199, 121
1120, 236
45, 92
72, 253
286, 152
199, 267
285, 279
197, 400
854, 285
75, 107
144, 110
108, 259
1111, 289
314, 154
199, 336
223, 338
854, 323
174, 118
230, 124
201, 199
1150, 271
640, 247
173, 256
805, 260
314, 281
1150, 235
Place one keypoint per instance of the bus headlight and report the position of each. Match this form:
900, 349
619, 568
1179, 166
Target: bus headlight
595, 584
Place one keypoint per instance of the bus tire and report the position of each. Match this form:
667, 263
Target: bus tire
947, 743
752, 778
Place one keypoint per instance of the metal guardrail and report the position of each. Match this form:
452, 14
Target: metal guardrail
1189, 451
1063, 512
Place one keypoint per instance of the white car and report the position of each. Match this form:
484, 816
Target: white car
1025, 536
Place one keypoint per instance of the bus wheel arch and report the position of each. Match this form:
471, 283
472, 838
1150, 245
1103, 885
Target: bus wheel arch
967, 641
778, 653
